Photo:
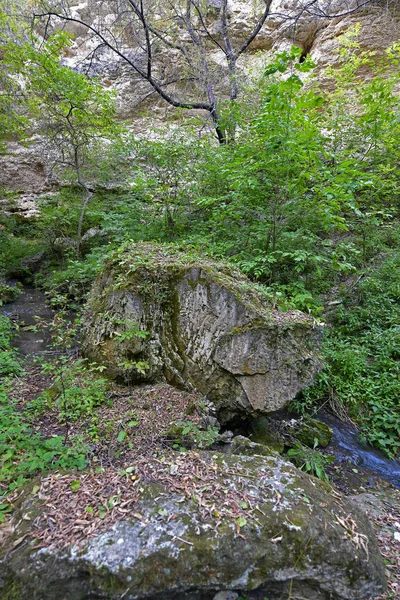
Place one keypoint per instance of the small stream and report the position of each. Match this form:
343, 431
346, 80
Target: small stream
347, 447
30, 342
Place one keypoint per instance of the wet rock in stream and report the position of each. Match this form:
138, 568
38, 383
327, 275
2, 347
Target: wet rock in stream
27, 312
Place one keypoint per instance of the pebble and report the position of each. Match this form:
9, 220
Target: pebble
227, 595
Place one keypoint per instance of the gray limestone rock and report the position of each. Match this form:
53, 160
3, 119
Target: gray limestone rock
154, 313
298, 540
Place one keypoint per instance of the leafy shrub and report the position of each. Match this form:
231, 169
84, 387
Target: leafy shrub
362, 353
8, 293
15, 249
25, 453
9, 363
77, 390
187, 433
67, 287
310, 460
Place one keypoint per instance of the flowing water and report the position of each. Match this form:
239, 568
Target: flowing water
346, 446
27, 312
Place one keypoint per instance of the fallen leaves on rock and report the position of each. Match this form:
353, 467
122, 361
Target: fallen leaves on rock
75, 508
74, 513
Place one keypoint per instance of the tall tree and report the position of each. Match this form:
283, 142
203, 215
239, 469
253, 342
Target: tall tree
73, 114
175, 42
13, 122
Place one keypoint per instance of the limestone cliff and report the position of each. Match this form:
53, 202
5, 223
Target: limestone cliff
141, 107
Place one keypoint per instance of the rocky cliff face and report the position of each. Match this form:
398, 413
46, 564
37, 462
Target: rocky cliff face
379, 27
23, 170
205, 325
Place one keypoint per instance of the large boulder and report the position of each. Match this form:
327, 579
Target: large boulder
155, 312
187, 528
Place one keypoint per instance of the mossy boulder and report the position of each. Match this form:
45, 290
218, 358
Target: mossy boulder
243, 446
311, 432
155, 312
262, 432
291, 538
9, 293
278, 432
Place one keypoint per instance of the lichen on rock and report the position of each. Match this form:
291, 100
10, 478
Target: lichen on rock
250, 523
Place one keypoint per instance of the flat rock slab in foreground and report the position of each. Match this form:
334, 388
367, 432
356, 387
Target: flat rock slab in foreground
208, 327
188, 527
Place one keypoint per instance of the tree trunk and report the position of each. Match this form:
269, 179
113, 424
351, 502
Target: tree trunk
88, 195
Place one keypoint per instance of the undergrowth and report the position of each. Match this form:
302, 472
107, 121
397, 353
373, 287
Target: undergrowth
362, 353
24, 450
305, 199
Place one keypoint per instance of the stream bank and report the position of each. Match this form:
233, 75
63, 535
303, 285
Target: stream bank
31, 316
356, 465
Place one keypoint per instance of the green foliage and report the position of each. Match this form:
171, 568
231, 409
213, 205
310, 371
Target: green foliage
9, 363
67, 287
76, 391
25, 453
8, 293
13, 250
362, 357
187, 432
306, 198
13, 122
74, 112
167, 178
310, 460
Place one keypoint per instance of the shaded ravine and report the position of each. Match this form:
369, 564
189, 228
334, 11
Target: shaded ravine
32, 342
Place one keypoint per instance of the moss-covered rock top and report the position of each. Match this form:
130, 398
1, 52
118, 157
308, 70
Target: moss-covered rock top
131, 261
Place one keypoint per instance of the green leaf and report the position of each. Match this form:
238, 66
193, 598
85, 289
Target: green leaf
102, 512
75, 485
241, 521
121, 436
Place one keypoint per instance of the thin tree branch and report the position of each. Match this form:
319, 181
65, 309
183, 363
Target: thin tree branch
256, 29
125, 58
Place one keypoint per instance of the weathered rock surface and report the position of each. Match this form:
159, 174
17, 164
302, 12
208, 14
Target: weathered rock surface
207, 327
280, 430
22, 169
379, 24
298, 540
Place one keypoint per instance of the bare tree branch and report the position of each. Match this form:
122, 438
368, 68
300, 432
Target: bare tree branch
182, 26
